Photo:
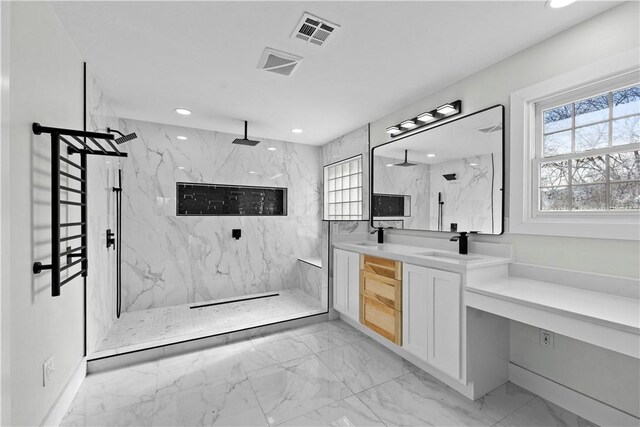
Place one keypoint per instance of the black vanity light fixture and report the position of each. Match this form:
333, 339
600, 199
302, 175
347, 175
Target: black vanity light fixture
428, 117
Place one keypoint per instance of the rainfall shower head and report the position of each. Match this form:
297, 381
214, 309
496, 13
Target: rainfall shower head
405, 163
123, 138
245, 140
450, 176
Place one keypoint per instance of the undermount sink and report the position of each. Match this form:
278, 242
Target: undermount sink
458, 257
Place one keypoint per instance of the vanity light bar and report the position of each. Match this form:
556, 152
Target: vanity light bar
427, 118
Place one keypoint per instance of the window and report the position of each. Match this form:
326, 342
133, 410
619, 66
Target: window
343, 190
588, 151
577, 174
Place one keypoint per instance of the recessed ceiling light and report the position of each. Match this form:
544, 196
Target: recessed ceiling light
473, 164
181, 167
252, 172
557, 4
183, 111
271, 148
393, 130
389, 165
107, 162
296, 130
431, 155
408, 124
181, 137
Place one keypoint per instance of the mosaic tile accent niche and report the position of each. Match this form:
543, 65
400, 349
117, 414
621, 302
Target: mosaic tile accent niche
215, 199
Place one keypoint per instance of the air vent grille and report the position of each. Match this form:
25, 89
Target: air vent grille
314, 30
278, 62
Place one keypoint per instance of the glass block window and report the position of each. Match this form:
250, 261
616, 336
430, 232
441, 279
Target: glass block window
588, 152
343, 190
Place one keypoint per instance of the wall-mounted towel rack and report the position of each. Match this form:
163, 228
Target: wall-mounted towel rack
83, 144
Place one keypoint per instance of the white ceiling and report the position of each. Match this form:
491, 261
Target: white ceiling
151, 57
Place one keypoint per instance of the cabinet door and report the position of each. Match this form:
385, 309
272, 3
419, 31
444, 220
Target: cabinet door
415, 319
443, 307
346, 283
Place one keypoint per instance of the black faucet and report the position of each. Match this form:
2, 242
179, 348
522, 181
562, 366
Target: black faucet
463, 242
380, 232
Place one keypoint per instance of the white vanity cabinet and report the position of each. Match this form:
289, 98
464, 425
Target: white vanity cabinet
346, 283
443, 323
432, 317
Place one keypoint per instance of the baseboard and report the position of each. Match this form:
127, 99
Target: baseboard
61, 405
571, 400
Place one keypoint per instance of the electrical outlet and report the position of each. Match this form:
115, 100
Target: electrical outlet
48, 368
546, 339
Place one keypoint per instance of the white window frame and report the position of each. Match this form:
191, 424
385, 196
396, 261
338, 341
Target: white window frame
326, 171
523, 215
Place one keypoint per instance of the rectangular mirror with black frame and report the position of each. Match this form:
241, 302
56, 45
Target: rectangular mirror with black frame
448, 177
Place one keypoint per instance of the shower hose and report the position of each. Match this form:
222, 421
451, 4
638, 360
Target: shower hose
118, 191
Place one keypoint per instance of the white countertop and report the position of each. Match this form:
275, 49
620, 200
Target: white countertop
606, 309
436, 258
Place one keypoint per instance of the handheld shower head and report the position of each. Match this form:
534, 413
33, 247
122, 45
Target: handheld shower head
123, 138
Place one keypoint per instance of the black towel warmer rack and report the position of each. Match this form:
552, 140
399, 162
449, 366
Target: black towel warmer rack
85, 143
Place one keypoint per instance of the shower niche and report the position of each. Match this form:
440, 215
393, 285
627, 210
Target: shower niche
448, 177
195, 199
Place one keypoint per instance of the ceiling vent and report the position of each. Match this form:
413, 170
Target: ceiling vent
279, 62
494, 128
312, 29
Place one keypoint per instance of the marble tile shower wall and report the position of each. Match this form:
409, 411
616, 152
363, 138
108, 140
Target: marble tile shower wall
469, 196
411, 181
171, 260
102, 175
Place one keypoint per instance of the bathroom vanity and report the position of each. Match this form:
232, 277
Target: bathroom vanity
411, 300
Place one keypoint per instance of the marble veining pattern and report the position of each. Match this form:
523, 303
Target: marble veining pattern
165, 325
411, 181
467, 200
224, 385
171, 260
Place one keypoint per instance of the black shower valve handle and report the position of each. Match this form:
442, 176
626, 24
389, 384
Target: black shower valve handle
111, 240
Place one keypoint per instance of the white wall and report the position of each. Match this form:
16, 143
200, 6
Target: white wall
5, 306
612, 32
46, 86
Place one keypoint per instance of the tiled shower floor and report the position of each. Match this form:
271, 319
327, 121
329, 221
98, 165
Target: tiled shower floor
167, 325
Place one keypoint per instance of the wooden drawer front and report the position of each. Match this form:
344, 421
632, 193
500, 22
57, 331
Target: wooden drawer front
381, 319
383, 289
381, 266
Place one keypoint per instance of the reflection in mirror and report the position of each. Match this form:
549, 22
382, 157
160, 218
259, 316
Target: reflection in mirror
446, 178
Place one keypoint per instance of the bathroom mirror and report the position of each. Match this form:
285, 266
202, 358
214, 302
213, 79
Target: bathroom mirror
445, 178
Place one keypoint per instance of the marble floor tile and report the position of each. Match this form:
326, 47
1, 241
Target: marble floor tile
299, 388
196, 369
419, 400
268, 352
504, 400
364, 364
138, 414
349, 412
217, 404
331, 336
107, 391
295, 388
540, 413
